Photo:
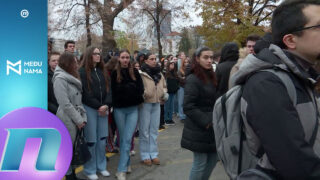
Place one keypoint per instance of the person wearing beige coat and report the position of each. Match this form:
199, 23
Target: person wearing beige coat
155, 91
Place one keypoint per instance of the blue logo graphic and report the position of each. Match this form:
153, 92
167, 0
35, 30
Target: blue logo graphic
34, 145
15, 143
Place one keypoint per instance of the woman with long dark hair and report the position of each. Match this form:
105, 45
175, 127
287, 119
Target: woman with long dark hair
127, 91
172, 86
199, 99
68, 92
96, 100
155, 91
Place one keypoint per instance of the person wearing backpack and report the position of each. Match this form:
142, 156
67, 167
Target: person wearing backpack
279, 107
199, 99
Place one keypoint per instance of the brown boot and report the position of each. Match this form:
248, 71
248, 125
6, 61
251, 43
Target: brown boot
147, 162
156, 161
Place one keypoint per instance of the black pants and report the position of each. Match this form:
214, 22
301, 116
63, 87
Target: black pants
162, 115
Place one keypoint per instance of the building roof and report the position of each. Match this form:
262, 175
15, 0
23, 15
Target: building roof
173, 33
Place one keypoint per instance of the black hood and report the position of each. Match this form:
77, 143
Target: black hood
229, 52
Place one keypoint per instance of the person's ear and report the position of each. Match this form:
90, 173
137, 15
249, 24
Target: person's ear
290, 41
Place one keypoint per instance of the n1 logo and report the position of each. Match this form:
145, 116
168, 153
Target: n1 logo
15, 143
34, 144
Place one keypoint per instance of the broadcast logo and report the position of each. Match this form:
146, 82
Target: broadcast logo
11, 66
34, 144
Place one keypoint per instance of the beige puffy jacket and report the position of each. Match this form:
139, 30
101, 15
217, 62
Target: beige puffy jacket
153, 93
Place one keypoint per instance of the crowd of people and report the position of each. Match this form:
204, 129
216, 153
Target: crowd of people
137, 95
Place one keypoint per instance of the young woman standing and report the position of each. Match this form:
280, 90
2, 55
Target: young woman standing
172, 86
199, 99
127, 94
155, 91
68, 92
182, 81
96, 100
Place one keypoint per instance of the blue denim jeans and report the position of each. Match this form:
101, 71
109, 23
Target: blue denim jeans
149, 120
95, 133
126, 120
168, 107
180, 103
202, 166
176, 107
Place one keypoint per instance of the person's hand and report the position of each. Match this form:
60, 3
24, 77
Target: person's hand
104, 113
209, 125
103, 108
80, 126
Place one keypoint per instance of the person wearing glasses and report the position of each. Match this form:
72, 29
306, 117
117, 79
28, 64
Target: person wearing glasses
284, 127
127, 94
199, 98
96, 100
155, 91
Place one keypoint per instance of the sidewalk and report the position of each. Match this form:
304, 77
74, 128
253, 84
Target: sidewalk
175, 161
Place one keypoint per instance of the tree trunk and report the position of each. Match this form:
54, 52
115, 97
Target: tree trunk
87, 11
108, 42
159, 41
158, 26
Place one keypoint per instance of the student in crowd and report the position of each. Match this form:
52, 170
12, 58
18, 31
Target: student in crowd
199, 99
96, 100
112, 127
52, 101
182, 81
229, 57
285, 126
69, 46
67, 89
251, 42
155, 91
127, 94
136, 65
172, 86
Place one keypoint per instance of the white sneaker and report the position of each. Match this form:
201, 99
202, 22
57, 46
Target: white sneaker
129, 170
92, 177
132, 153
105, 173
121, 175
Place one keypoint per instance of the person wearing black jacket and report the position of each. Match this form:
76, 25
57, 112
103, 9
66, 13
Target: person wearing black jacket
96, 100
199, 99
172, 86
52, 101
127, 94
286, 127
229, 57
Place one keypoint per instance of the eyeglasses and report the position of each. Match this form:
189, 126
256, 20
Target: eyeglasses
305, 28
97, 54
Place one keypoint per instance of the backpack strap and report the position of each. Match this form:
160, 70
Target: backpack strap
286, 80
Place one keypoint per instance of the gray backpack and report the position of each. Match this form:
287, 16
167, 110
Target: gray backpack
229, 128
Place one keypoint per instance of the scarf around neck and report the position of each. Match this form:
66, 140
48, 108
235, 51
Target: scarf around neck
153, 72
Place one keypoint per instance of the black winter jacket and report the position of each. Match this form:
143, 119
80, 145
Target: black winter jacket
97, 95
279, 125
128, 92
229, 57
172, 84
199, 99
52, 101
